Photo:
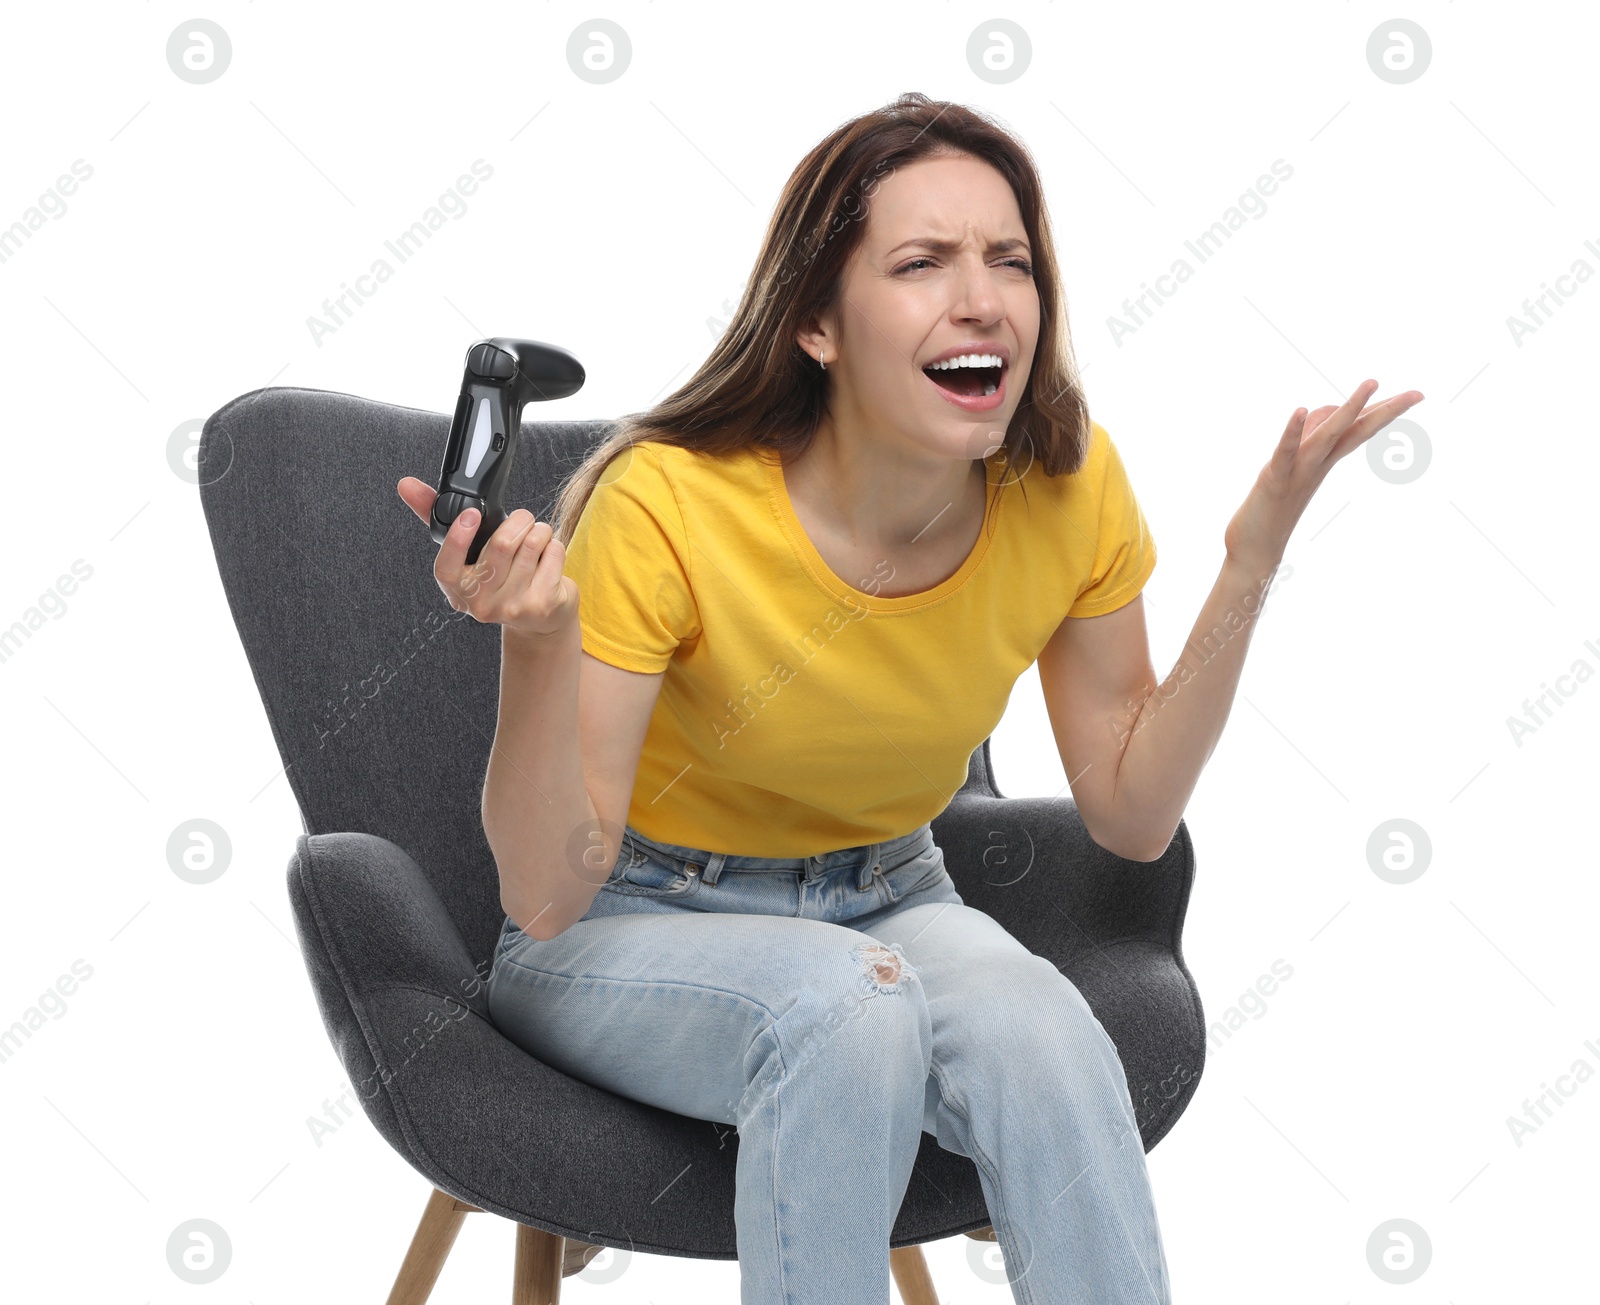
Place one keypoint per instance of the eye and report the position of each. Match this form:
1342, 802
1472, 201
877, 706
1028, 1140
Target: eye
1021, 264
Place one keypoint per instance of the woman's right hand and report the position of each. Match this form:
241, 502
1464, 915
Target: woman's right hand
517, 580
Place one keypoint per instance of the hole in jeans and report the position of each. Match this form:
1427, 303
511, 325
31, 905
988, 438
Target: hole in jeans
880, 963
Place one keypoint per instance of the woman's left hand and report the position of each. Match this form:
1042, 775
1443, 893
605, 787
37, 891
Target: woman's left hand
1312, 442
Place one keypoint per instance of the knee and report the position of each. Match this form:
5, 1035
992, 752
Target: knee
883, 963
863, 1010
854, 973
873, 985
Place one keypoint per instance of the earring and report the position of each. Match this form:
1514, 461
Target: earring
821, 358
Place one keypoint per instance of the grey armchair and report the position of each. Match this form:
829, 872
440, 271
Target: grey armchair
382, 702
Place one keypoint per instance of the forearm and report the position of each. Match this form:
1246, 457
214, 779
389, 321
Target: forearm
534, 795
1179, 723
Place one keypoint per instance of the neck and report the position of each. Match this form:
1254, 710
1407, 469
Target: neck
875, 491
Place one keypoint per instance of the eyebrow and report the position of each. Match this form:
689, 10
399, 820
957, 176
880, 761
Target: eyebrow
950, 246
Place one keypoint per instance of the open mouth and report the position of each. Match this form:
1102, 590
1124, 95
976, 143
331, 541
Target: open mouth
970, 381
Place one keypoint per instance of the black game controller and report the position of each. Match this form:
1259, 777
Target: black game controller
501, 375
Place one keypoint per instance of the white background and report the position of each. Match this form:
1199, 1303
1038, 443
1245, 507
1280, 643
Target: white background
1414, 619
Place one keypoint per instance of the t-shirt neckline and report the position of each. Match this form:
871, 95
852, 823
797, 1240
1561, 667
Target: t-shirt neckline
812, 561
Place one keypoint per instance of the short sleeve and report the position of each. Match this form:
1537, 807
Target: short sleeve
1124, 553
630, 557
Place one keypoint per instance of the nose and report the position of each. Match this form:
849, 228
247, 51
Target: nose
977, 296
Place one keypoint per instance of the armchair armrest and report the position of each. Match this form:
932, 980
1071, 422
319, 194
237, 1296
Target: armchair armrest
369, 922
1031, 864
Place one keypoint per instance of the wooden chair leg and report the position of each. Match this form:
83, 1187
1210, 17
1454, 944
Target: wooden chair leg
539, 1264
543, 1259
575, 1258
430, 1244
911, 1276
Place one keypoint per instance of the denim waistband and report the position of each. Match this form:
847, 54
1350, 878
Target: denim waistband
865, 859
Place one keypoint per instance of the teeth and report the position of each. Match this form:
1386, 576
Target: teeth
966, 360
991, 389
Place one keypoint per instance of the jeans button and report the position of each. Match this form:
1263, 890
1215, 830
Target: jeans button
691, 869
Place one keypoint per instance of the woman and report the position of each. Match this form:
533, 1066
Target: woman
749, 667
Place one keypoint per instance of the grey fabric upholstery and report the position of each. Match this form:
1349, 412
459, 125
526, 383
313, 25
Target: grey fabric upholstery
382, 702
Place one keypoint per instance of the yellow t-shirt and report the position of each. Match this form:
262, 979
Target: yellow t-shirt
800, 714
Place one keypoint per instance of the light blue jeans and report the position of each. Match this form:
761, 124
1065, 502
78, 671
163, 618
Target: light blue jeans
834, 1008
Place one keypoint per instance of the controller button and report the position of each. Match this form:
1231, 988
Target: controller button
496, 364
450, 505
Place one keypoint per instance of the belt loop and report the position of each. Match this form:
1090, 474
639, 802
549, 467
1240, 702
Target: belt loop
713, 867
869, 867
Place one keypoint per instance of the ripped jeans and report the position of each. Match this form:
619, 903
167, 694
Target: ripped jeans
834, 1008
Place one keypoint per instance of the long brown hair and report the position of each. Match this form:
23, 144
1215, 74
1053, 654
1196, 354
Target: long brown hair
759, 387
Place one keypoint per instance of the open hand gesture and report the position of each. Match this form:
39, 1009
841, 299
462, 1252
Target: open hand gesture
1312, 442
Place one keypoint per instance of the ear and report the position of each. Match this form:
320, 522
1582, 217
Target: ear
817, 339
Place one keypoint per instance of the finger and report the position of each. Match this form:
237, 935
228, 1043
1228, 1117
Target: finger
418, 495
1374, 419
452, 559
552, 571
1289, 441
488, 574
1320, 415
1328, 431
495, 559
535, 547
1358, 398
1325, 440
